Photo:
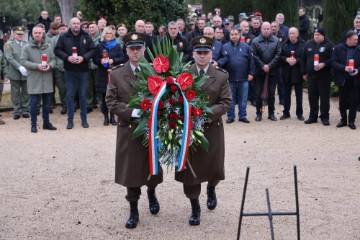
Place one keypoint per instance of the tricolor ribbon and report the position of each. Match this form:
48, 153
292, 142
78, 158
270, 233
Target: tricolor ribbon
153, 142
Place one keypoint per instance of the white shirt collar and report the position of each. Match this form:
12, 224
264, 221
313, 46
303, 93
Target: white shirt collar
205, 69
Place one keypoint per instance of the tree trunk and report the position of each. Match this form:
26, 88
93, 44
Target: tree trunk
67, 10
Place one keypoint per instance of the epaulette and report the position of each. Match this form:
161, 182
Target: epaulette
117, 66
220, 69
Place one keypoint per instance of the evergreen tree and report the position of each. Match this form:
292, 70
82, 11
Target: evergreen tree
338, 16
128, 11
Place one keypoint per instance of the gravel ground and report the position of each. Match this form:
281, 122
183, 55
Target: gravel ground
60, 185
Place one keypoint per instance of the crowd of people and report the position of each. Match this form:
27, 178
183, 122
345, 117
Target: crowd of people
92, 62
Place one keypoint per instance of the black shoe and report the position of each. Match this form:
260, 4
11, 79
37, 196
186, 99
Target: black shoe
281, 102
16, 116
285, 116
352, 125
211, 200
89, 110
342, 124
106, 119
48, 126
325, 122
33, 129
300, 118
230, 121
253, 103
25, 115
63, 110
70, 125
272, 117
244, 120
310, 121
195, 212
258, 117
154, 205
85, 124
134, 216
112, 119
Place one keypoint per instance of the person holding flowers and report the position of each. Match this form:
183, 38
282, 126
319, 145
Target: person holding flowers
132, 164
207, 166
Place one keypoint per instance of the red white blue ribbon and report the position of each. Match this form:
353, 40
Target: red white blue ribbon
153, 142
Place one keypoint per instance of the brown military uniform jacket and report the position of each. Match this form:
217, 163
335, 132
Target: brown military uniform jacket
132, 158
210, 165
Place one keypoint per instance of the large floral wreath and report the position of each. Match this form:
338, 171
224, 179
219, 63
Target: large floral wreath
173, 108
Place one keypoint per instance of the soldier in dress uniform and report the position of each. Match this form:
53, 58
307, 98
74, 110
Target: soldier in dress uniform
17, 73
132, 158
207, 166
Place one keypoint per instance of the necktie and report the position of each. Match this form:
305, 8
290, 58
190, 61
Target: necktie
136, 71
201, 72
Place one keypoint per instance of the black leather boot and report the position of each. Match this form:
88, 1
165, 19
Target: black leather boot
195, 214
211, 200
154, 205
106, 119
134, 216
112, 119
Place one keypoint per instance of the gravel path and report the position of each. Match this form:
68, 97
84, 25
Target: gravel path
60, 185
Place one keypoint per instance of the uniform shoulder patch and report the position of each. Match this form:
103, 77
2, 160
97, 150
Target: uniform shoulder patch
8, 47
220, 69
117, 66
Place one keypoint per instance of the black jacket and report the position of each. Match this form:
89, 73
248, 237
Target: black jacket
85, 48
324, 49
46, 23
116, 55
196, 33
182, 46
339, 61
304, 24
266, 51
291, 73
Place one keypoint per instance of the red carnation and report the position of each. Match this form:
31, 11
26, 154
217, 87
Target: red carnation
169, 80
172, 124
191, 124
145, 104
173, 116
185, 80
181, 100
154, 84
190, 95
173, 88
171, 101
161, 64
161, 105
197, 112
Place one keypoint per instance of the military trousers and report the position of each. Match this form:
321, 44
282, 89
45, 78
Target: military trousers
193, 191
19, 96
133, 193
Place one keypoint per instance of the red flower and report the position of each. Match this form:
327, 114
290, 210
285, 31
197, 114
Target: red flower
154, 84
173, 116
173, 88
161, 105
171, 101
181, 118
185, 80
145, 104
190, 95
181, 100
169, 80
172, 124
197, 112
161, 64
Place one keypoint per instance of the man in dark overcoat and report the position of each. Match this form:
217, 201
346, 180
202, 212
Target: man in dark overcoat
207, 166
132, 158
